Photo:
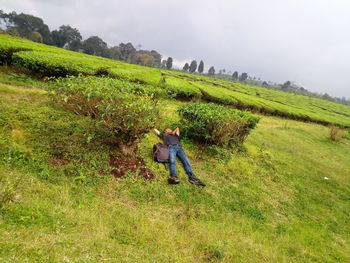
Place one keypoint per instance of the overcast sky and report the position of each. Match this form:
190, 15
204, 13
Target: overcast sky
305, 41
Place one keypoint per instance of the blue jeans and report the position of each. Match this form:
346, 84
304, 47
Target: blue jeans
176, 150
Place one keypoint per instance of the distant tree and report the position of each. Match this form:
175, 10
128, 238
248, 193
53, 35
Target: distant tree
157, 58
25, 25
36, 37
127, 51
265, 84
145, 59
286, 85
115, 53
235, 75
243, 77
13, 32
95, 46
201, 67
169, 63
186, 67
193, 66
211, 71
223, 70
163, 65
65, 35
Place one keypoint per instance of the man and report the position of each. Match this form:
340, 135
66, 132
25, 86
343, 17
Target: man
172, 140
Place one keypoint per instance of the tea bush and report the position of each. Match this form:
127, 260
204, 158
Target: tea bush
214, 124
128, 109
334, 133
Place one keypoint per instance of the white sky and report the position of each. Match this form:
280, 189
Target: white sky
305, 41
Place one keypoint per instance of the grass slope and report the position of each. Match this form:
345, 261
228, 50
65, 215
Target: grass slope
53, 61
59, 202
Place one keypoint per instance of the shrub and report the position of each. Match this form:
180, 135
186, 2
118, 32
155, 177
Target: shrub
347, 135
127, 109
334, 133
214, 124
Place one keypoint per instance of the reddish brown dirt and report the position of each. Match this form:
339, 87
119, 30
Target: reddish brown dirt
57, 161
123, 165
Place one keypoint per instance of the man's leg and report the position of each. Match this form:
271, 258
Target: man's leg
172, 165
187, 166
186, 162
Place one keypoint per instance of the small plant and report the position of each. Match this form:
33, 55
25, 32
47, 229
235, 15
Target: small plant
216, 251
218, 125
129, 110
347, 135
334, 133
7, 189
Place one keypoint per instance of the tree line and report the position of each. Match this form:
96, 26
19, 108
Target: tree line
34, 28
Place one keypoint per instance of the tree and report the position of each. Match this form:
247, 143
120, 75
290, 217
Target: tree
126, 51
95, 46
193, 66
235, 75
145, 59
65, 35
27, 24
243, 77
115, 53
163, 65
186, 67
201, 67
286, 85
211, 71
157, 58
36, 37
169, 63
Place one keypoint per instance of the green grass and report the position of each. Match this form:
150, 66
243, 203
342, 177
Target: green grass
53, 61
272, 203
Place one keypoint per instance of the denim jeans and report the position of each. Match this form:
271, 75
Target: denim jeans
176, 150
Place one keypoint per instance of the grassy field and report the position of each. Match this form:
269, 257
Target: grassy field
51, 61
286, 199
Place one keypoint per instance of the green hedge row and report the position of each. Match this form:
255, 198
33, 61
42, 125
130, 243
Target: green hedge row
127, 109
214, 124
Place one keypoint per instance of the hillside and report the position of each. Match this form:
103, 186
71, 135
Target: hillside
284, 197
51, 61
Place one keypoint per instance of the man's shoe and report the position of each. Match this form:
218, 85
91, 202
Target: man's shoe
196, 181
173, 180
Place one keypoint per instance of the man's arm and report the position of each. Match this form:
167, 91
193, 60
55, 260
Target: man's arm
156, 131
177, 132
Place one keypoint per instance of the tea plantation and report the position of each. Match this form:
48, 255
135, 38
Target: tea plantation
52, 61
277, 188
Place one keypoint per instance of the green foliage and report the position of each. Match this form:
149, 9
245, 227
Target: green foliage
211, 71
334, 133
129, 110
169, 63
53, 61
69, 207
201, 67
66, 35
216, 251
193, 66
180, 88
215, 124
8, 188
347, 134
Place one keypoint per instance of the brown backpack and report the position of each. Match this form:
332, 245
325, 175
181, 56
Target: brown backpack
160, 153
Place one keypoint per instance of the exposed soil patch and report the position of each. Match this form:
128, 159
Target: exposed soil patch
123, 165
57, 161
